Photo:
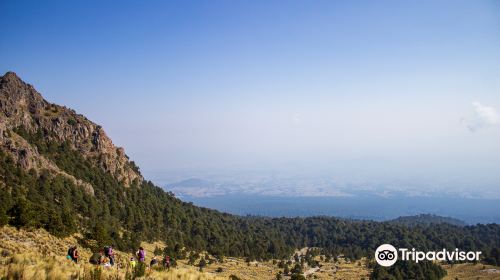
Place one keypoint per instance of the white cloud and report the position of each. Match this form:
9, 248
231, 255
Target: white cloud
296, 120
483, 116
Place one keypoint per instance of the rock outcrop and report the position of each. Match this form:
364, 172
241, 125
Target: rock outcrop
22, 106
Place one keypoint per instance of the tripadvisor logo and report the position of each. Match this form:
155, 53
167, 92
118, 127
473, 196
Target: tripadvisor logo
387, 255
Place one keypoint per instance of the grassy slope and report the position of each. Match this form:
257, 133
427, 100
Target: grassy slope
472, 271
36, 254
40, 255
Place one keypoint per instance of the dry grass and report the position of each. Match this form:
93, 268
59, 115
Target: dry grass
472, 271
184, 274
34, 266
38, 255
341, 269
13, 241
31, 266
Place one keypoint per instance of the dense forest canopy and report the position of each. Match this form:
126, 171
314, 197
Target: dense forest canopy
408, 270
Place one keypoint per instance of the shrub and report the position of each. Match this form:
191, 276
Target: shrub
96, 273
139, 270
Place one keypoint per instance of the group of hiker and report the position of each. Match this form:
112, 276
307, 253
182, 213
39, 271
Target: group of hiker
106, 257
140, 256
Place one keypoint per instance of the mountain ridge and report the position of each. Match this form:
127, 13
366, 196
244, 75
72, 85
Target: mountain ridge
22, 106
427, 219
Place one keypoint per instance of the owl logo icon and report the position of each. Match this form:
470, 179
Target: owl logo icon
386, 255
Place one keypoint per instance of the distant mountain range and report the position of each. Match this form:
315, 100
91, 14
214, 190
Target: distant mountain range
272, 199
426, 219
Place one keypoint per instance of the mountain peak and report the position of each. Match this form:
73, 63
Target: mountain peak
11, 74
23, 108
11, 78
13, 88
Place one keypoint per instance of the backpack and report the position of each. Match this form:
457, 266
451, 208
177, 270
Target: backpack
140, 254
95, 259
70, 252
107, 251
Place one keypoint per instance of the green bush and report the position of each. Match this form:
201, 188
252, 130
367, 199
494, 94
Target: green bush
139, 270
408, 270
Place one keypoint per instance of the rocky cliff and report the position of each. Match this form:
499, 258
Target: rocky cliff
22, 106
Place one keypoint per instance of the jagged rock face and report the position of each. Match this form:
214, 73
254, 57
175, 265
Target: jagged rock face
22, 105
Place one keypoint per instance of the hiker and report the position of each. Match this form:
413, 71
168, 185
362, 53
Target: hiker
69, 256
96, 258
153, 262
74, 255
106, 262
141, 254
133, 263
166, 262
108, 252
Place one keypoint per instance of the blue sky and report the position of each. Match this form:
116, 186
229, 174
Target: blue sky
379, 89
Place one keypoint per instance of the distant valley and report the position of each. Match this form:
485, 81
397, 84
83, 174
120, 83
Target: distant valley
354, 204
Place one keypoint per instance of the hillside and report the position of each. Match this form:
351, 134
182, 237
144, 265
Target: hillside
60, 172
36, 252
22, 106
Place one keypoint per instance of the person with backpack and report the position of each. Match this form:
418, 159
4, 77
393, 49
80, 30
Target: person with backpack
154, 262
105, 262
69, 256
166, 262
75, 256
141, 254
133, 262
96, 258
108, 252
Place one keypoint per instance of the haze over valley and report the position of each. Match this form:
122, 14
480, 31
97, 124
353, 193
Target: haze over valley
253, 193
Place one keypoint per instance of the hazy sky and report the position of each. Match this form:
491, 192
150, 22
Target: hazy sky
383, 89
